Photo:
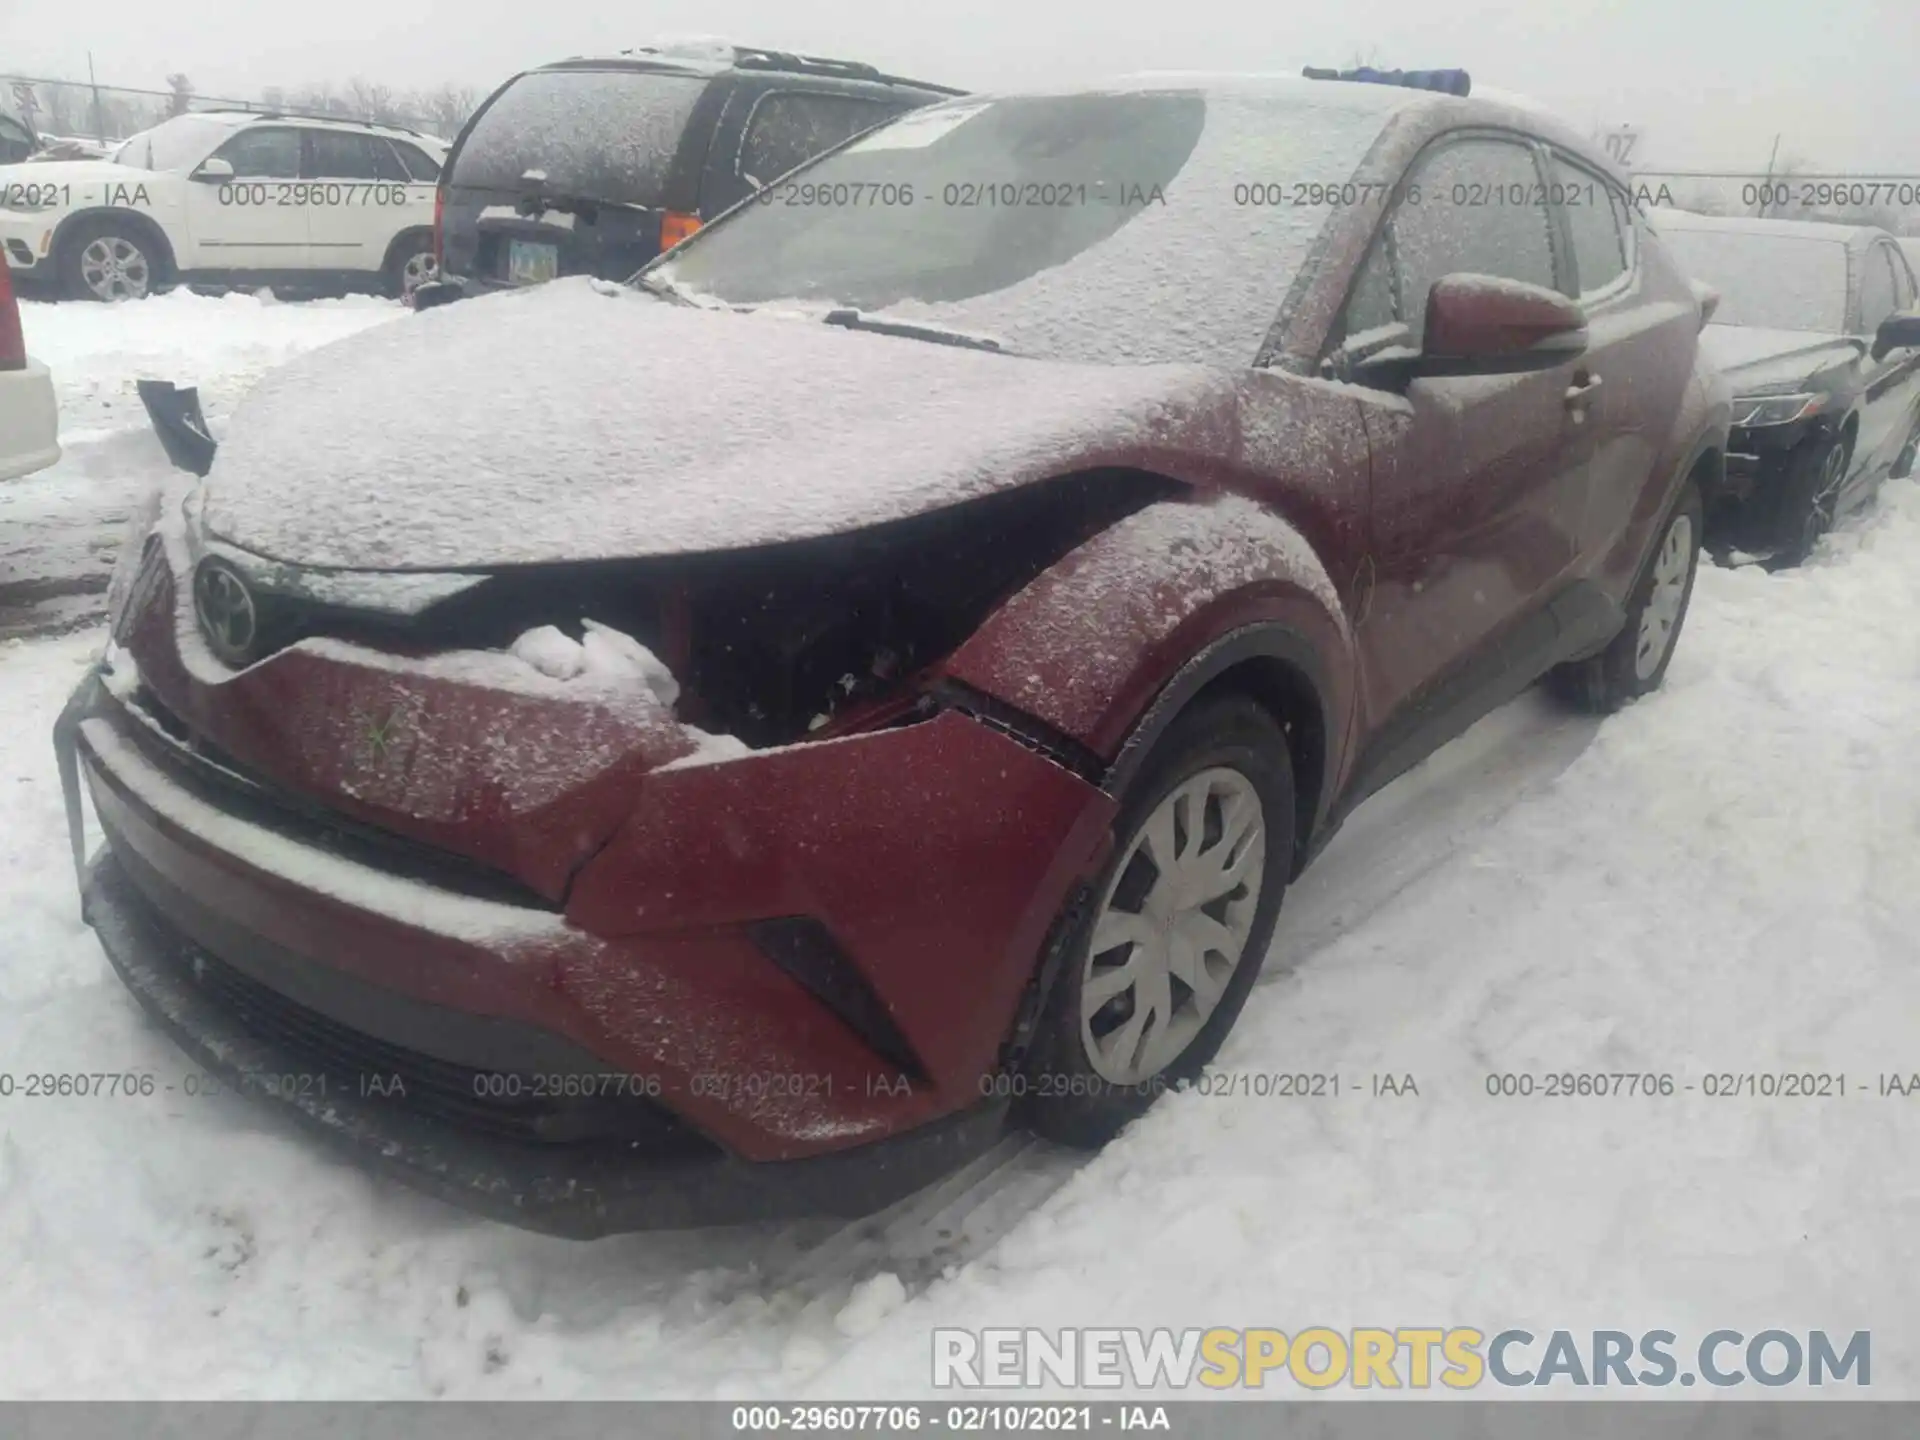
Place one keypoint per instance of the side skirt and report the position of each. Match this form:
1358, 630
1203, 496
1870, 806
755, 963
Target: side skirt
1577, 622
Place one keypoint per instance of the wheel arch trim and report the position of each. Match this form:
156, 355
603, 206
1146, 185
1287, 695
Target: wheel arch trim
1244, 652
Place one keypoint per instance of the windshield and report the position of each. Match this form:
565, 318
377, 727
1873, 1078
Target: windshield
1088, 227
1767, 281
604, 134
178, 144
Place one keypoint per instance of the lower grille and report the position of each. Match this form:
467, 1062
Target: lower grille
534, 1110
322, 1055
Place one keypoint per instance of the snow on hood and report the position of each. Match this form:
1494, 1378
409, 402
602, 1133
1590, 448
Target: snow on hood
70, 172
580, 421
1735, 347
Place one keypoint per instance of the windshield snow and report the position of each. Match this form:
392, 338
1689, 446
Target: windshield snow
1088, 227
178, 144
1767, 281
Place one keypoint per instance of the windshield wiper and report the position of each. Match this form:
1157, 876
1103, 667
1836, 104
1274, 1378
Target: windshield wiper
536, 200
854, 320
661, 288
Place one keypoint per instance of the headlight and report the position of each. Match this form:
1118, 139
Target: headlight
1751, 410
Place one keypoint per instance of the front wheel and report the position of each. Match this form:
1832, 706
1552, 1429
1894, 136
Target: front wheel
1158, 970
1636, 661
1809, 496
106, 260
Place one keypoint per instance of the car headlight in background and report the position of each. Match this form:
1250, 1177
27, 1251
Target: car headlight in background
1752, 410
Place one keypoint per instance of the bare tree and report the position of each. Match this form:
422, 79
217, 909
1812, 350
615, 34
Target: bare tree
372, 102
58, 111
445, 110
318, 100
182, 100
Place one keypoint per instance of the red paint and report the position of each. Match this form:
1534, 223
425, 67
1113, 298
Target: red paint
1402, 533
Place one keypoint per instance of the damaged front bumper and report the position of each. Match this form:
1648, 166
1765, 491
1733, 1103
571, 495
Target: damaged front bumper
577, 1191
667, 1051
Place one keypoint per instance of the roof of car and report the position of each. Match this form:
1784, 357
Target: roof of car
237, 118
1794, 229
1496, 108
721, 58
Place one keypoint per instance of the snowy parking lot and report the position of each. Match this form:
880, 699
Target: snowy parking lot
1721, 882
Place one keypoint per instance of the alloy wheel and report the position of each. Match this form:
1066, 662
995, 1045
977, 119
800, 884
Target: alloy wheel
1172, 928
419, 270
114, 268
1670, 570
1826, 497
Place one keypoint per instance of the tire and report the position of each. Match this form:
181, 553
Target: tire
1077, 1084
1806, 499
107, 259
410, 264
1636, 661
1903, 463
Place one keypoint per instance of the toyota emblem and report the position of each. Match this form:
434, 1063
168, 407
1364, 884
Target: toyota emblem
228, 617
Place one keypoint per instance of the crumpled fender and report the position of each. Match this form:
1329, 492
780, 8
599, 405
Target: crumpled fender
1091, 645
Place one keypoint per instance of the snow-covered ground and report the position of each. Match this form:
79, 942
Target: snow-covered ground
1725, 878
59, 527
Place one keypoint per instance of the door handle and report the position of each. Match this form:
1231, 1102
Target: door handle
1582, 390
1580, 394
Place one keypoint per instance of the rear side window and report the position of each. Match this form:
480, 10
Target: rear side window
603, 134
789, 128
419, 164
267, 153
339, 155
1876, 289
1596, 217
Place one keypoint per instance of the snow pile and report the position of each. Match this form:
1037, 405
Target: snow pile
60, 529
604, 655
222, 345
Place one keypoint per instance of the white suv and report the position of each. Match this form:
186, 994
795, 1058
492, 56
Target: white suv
223, 196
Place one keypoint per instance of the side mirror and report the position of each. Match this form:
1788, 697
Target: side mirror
1896, 332
1484, 325
214, 171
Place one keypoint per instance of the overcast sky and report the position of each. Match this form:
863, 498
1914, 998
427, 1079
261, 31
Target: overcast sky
1709, 82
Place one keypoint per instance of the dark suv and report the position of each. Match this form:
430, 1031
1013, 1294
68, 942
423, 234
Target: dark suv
594, 166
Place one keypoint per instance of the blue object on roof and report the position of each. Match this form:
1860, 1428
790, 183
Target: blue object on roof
1447, 82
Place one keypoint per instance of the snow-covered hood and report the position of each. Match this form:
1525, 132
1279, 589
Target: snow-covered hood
581, 421
1753, 358
90, 179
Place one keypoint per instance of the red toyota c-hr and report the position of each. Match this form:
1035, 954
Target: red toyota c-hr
733, 743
